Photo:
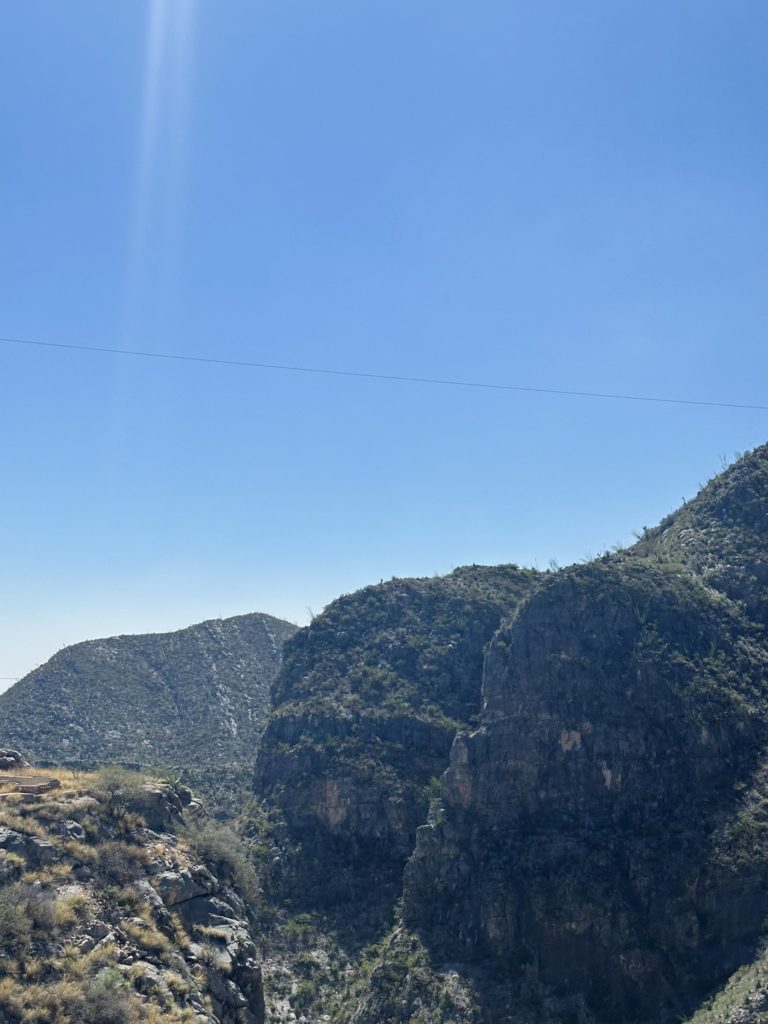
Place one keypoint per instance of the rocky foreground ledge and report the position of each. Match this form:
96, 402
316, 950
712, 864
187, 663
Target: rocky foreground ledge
110, 911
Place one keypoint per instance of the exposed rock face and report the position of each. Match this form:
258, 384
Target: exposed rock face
366, 707
601, 835
596, 849
198, 695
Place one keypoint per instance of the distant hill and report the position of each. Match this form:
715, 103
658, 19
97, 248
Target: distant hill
187, 697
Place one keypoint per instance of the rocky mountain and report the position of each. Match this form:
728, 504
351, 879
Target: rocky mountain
496, 797
545, 796
199, 695
366, 706
599, 835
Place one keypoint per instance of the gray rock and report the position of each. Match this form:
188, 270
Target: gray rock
158, 805
175, 887
37, 852
11, 760
73, 829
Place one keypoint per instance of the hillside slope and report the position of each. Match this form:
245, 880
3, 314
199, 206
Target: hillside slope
199, 695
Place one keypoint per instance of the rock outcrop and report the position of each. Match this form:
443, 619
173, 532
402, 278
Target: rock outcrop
197, 696
365, 710
598, 834
594, 845
12, 760
102, 918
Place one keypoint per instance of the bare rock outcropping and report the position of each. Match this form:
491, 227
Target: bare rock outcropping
596, 837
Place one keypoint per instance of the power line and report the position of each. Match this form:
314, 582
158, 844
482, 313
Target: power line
443, 381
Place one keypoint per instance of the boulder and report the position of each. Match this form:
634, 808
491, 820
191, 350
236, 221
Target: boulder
11, 760
36, 852
179, 886
158, 805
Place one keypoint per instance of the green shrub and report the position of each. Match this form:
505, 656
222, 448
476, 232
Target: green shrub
227, 856
118, 788
108, 997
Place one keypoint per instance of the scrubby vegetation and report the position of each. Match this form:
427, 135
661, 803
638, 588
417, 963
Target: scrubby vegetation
198, 695
86, 893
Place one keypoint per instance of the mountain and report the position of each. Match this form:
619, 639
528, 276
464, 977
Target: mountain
195, 696
540, 797
501, 796
365, 709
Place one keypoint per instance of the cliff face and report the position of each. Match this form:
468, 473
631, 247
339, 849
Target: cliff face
600, 839
365, 709
592, 846
598, 832
195, 696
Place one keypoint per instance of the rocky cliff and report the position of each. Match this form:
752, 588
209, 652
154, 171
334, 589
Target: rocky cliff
602, 837
199, 695
594, 845
366, 706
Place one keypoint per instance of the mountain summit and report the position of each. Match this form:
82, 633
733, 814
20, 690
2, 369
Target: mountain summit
193, 696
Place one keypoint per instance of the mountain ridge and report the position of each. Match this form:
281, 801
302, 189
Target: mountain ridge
506, 796
595, 846
190, 695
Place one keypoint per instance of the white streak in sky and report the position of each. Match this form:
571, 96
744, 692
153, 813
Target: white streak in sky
155, 239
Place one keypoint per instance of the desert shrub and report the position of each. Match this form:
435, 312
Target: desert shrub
15, 921
26, 909
108, 997
69, 909
227, 856
305, 993
211, 957
11, 866
147, 937
118, 788
118, 862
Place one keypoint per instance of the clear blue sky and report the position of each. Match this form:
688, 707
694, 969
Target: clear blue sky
551, 194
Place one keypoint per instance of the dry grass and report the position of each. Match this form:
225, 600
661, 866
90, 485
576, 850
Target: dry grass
53, 874
48, 974
20, 818
147, 937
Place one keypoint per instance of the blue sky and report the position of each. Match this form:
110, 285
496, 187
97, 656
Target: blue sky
550, 194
